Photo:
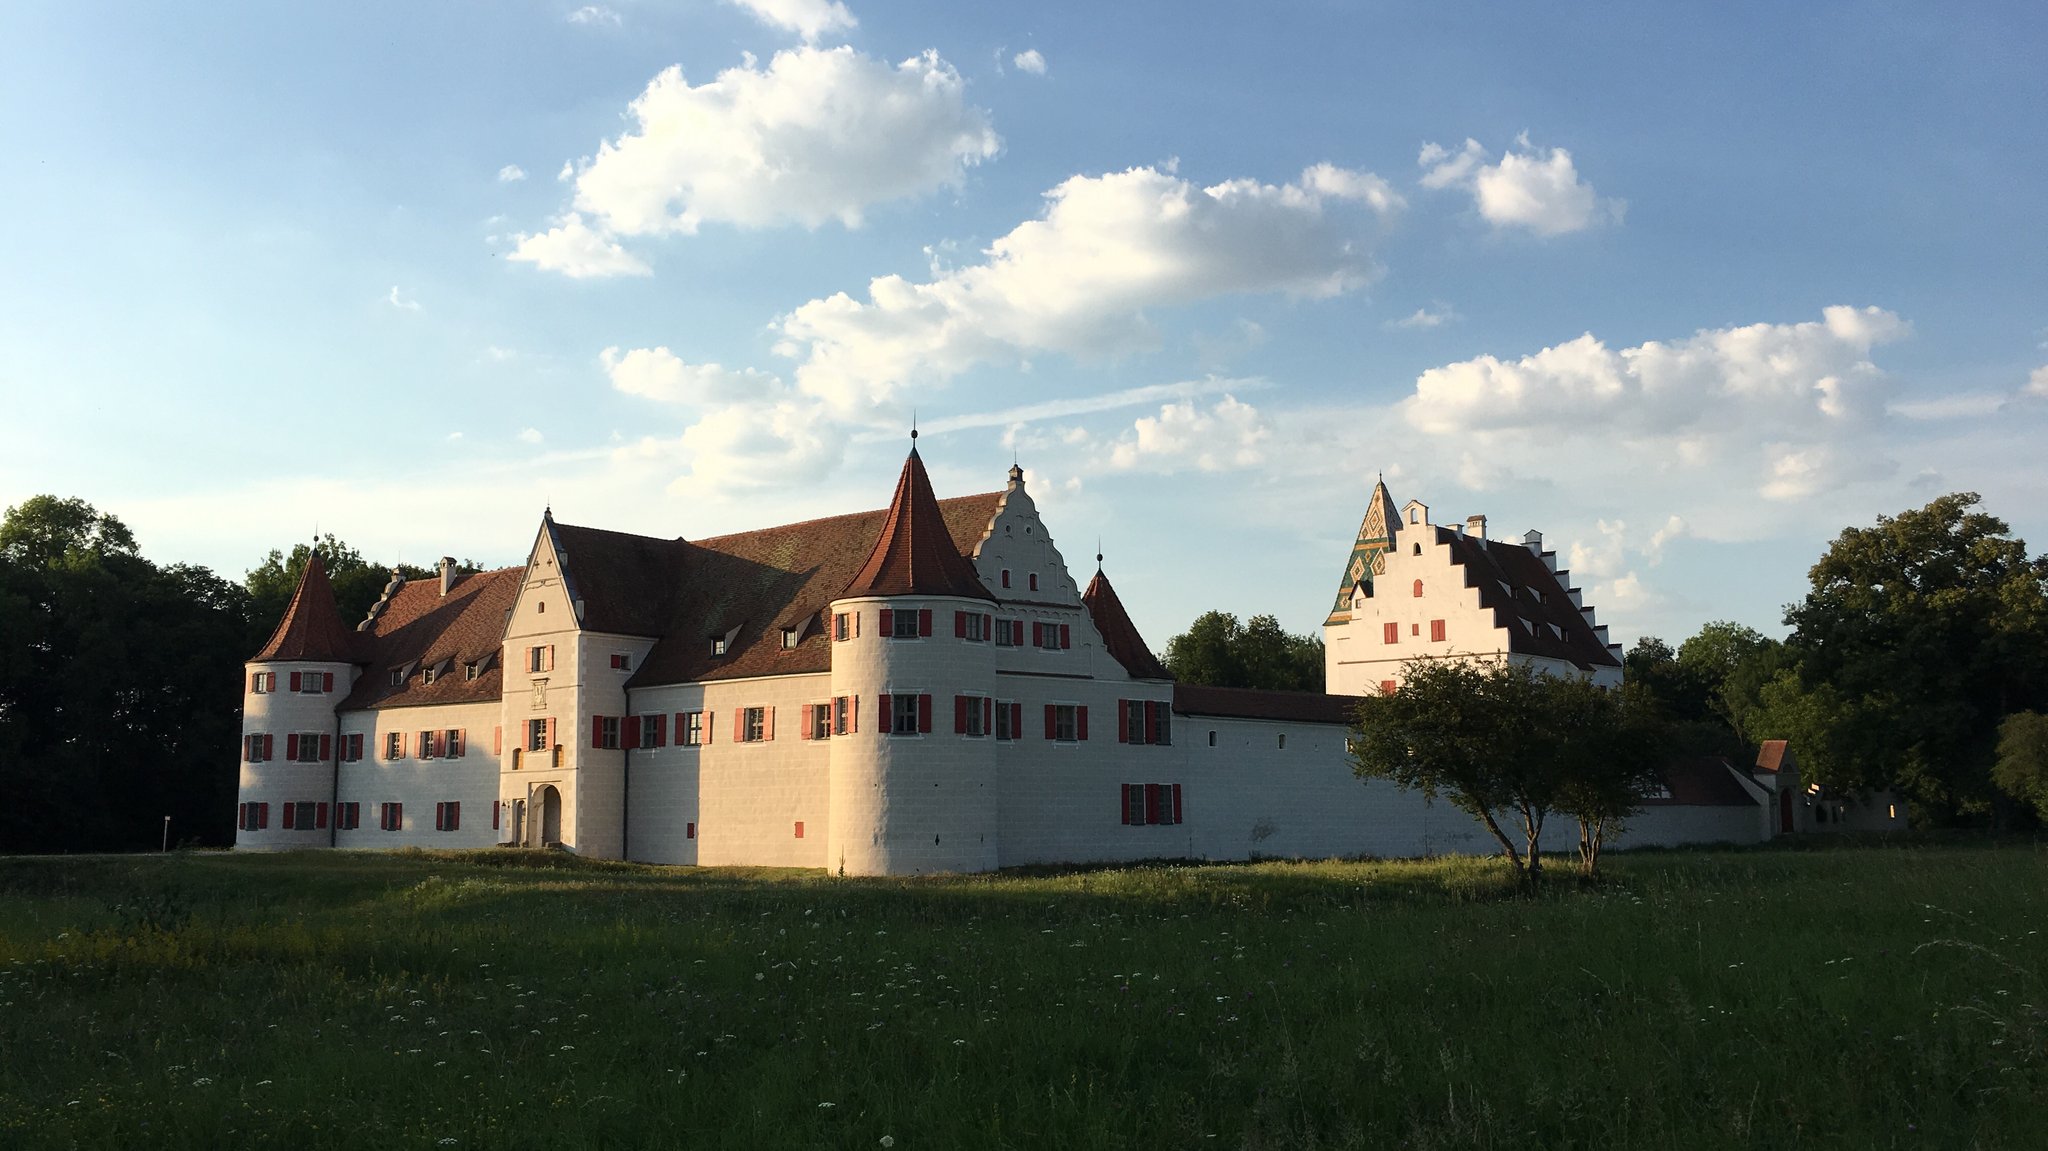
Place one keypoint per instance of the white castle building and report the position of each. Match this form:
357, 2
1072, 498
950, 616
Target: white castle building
916, 689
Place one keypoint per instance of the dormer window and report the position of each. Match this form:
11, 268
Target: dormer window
397, 677
428, 675
469, 670
717, 645
789, 639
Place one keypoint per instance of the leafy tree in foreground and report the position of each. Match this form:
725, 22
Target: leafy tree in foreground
1604, 746
2022, 768
1464, 730
1929, 628
1218, 651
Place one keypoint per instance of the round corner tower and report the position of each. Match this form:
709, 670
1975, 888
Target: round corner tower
290, 732
913, 782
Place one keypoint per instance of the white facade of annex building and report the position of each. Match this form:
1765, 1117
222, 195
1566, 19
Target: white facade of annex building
917, 689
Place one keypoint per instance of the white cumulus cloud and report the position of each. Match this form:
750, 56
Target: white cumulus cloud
2037, 383
1229, 434
574, 249
747, 447
814, 136
1527, 188
400, 302
1424, 318
1029, 60
1080, 278
659, 374
594, 14
531, 436
511, 173
809, 19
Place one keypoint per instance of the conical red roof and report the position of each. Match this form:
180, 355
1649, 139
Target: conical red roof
915, 554
312, 627
1119, 635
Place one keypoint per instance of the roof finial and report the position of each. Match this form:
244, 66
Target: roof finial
1098, 555
913, 427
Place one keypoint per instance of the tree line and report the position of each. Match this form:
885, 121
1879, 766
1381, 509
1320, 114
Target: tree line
120, 696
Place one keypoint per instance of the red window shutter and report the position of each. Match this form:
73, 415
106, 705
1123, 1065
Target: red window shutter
1037, 633
988, 626
629, 733
551, 731
326, 681
959, 625
1081, 722
853, 714
661, 730
1436, 630
597, 731
1392, 633
295, 681
739, 725
1152, 813
924, 714
689, 831
888, 713
268, 753
1418, 589
1123, 721
1178, 814
1016, 721
959, 715
291, 748
398, 817
1123, 802
924, 621
1051, 725
888, 622
498, 740
799, 829
1066, 639
455, 816
495, 814
290, 809
1387, 686
710, 724
320, 816
768, 723
803, 730
262, 813
988, 716
326, 752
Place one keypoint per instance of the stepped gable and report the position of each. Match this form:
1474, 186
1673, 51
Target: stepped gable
620, 583
311, 628
1257, 703
1702, 781
1527, 600
914, 553
1119, 635
752, 585
1369, 550
420, 628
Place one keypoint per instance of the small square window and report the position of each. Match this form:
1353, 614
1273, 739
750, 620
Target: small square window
621, 661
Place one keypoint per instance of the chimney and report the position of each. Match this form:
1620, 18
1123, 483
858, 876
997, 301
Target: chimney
1475, 526
447, 574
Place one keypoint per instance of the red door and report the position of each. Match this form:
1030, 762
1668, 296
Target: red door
1785, 812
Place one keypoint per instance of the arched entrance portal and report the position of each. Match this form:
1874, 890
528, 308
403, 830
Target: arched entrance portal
549, 801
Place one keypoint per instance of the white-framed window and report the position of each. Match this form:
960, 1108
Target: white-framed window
842, 625
391, 816
540, 658
394, 745
262, 682
971, 714
1066, 722
690, 728
352, 746
470, 670
753, 724
820, 720
397, 677
1050, 635
448, 815
903, 713
789, 638
653, 732
256, 748
451, 743
306, 746
904, 624
845, 719
1006, 723
974, 627
1150, 803
608, 732
1009, 633
429, 674
536, 735
718, 645
310, 682
252, 816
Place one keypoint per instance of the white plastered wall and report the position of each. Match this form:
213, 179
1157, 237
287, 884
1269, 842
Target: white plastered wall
470, 779
279, 780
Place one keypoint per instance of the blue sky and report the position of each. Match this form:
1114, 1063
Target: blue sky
1687, 287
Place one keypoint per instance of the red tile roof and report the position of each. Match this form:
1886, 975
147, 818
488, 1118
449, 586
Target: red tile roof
754, 584
1254, 703
1119, 635
915, 554
311, 628
420, 628
1703, 781
1528, 602
1774, 755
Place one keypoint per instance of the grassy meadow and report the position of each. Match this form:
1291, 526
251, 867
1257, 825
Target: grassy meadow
1874, 995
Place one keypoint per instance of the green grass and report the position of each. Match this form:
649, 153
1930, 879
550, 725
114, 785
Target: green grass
1866, 996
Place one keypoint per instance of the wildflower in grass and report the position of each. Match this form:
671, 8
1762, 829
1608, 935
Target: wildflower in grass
821, 1106
887, 1140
